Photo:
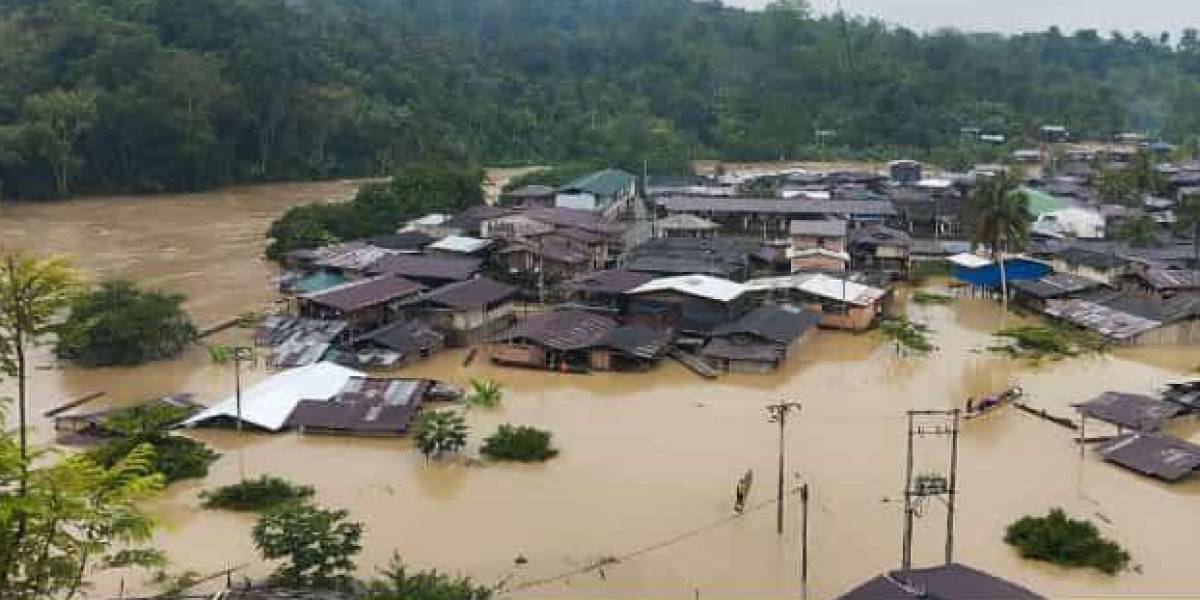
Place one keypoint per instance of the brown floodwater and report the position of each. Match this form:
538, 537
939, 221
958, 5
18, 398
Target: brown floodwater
648, 460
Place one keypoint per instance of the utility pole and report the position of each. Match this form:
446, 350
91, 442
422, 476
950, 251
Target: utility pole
931, 423
240, 354
804, 541
778, 413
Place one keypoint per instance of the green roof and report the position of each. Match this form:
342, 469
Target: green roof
318, 282
602, 183
1041, 203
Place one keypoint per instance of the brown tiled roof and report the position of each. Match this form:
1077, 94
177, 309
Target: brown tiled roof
562, 330
421, 266
472, 293
357, 295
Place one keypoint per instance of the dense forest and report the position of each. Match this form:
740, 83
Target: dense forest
148, 95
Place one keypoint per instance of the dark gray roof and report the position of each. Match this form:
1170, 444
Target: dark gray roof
613, 281
562, 330
638, 341
779, 324
860, 208
357, 295
573, 217
690, 256
1172, 279
1153, 454
879, 235
469, 219
1056, 285
411, 241
419, 266
1185, 394
947, 582
473, 293
1169, 310
830, 228
364, 405
1131, 411
405, 337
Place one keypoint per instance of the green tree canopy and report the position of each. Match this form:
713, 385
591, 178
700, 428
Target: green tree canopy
317, 546
118, 324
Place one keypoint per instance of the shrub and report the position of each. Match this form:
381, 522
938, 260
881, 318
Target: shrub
396, 583
440, 431
1047, 341
315, 544
264, 493
526, 444
485, 392
175, 457
120, 325
913, 336
924, 297
1067, 542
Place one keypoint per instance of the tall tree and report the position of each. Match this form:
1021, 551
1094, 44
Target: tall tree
51, 127
32, 292
998, 213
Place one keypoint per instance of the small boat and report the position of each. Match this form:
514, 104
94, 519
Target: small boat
978, 408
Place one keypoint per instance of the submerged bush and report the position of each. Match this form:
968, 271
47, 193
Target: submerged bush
176, 457
1066, 542
120, 325
925, 297
485, 393
913, 336
1047, 341
264, 493
397, 583
521, 443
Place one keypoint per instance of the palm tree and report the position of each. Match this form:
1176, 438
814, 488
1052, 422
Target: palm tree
1188, 214
485, 392
999, 215
32, 292
440, 431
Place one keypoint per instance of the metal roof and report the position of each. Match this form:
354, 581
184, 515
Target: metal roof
601, 183
1111, 323
363, 293
268, 403
460, 243
821, 285
779, 324
968, 260
428, 267
947, 582
473, 293
1056, 285
1153, 454
562, 330
613, 281
701, 286
782, 207
831, 228
1131, 411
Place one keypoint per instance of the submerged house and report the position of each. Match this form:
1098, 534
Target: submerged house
395, 345
946, 582
1133, 319
267, 404
604, 289
469, 311
364, 304
668, 257
559, 340
984, 273
881, 249
687, 303
818, 246
840, 302
761, 340
364, 406
1035, 293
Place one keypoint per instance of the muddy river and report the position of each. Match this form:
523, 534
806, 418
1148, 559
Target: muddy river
648, 461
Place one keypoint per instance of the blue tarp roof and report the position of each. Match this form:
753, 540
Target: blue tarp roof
1015, 269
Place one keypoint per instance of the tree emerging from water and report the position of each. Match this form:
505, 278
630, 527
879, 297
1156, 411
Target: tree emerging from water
121, 325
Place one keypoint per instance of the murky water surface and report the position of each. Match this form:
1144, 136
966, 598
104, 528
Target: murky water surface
646, 458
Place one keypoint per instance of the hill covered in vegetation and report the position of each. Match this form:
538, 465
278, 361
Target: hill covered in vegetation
148, 95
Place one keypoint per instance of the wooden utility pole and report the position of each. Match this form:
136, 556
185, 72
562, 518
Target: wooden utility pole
778, 413
240, 354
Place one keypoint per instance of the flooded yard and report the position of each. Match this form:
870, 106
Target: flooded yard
648, 461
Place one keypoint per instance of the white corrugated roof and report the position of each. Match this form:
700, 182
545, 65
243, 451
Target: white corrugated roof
703, 286
824, 286
268, 403
969, 261
935, 183
460, 243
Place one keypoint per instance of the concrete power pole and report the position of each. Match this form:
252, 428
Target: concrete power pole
778, 413
929, 423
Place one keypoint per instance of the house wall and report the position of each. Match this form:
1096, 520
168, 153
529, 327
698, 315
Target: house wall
1183, 333
601, 359
582, 200
519, 354
857, 318
817, 263
810, 242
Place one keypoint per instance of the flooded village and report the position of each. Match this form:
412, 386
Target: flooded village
647, 322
